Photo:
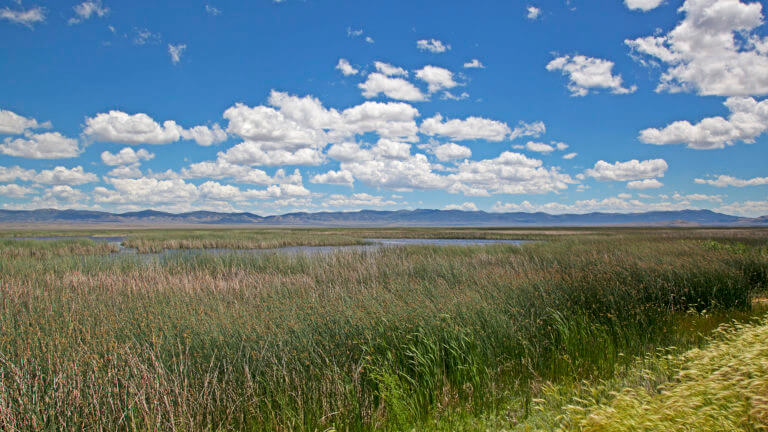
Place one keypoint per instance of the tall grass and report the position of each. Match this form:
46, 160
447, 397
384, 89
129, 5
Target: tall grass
351, 341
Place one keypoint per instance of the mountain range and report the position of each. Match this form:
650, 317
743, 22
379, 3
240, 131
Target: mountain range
421, 217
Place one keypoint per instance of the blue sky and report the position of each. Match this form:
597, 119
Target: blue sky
270, 107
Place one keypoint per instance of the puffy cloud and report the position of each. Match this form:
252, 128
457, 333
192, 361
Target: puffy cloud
643, 5
359, 200
467, 206
437, 78
9, 174
64, 176
346, 68
131, 129
697, 197
175, 51
474, 64
125, 171
48, 145
747, 121
570, 156
644, 184
390, 70
451, 151
533, 12
27, 17
745, 208
610, 205
471, 128
339, 177
14, 124
86, 10
146, 191
393, 88
539, 147
586, 74
714, 50
126, 156
726, 181
254, 153
64, 193
432, 45
205, 136
15, 191
523, 129
630, 170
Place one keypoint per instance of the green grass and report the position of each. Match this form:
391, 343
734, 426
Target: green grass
385, 340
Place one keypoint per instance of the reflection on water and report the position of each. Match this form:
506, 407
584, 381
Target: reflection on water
372, 244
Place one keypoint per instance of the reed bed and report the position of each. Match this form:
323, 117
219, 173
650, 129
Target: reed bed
381, 340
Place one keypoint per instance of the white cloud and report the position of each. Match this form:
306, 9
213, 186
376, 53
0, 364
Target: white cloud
144, 37
64, 193
539, 147
437, 78
24, 17
254, 153
714, 50
125, 171
726, 181
533, 12
369, 39
630, 170
644, 184
339, 177
643, 5
587, 74
390, 70
359, 200
48, 145
609, 205
432, 45
346, 68
474, 64
393, 88
745, 208
14, 124
126, 156
467, 206
175, 51
451, 151
523, 129
450, 96
205, 136
697, 197
9, 174
86, 10
15, 191
354, 32
472, 128
747, 121
570, 156
211, 10
64, 176
122, 128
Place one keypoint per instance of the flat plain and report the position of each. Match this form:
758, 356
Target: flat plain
578, 329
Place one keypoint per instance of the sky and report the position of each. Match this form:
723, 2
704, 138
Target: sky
560, 106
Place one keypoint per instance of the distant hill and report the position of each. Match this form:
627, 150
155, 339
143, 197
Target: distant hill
382, 218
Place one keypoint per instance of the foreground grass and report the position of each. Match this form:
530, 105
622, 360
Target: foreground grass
353, 341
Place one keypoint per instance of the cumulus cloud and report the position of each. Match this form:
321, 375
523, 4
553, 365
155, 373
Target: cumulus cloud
612, 205
570, 156
339, 177
714, 50
539, 147
509, 173
48, 145
86, 10
643, 5
15, 191
474, 64
132, 129
437, 78
467, 206
393, 88
15, 124
533, 12
126, 156
26, 17
626, 171
13, 173
65, 176
726, 181
745, 208
644, 184
451, 151
346, 68
390, 70
432, 45
358, 200
205, 136
747, 121
175, 51
471, 128
587, 74
523, 129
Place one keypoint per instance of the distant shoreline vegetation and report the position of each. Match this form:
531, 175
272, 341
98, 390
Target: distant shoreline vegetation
418, 337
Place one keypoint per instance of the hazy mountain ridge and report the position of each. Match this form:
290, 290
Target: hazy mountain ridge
421, 217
